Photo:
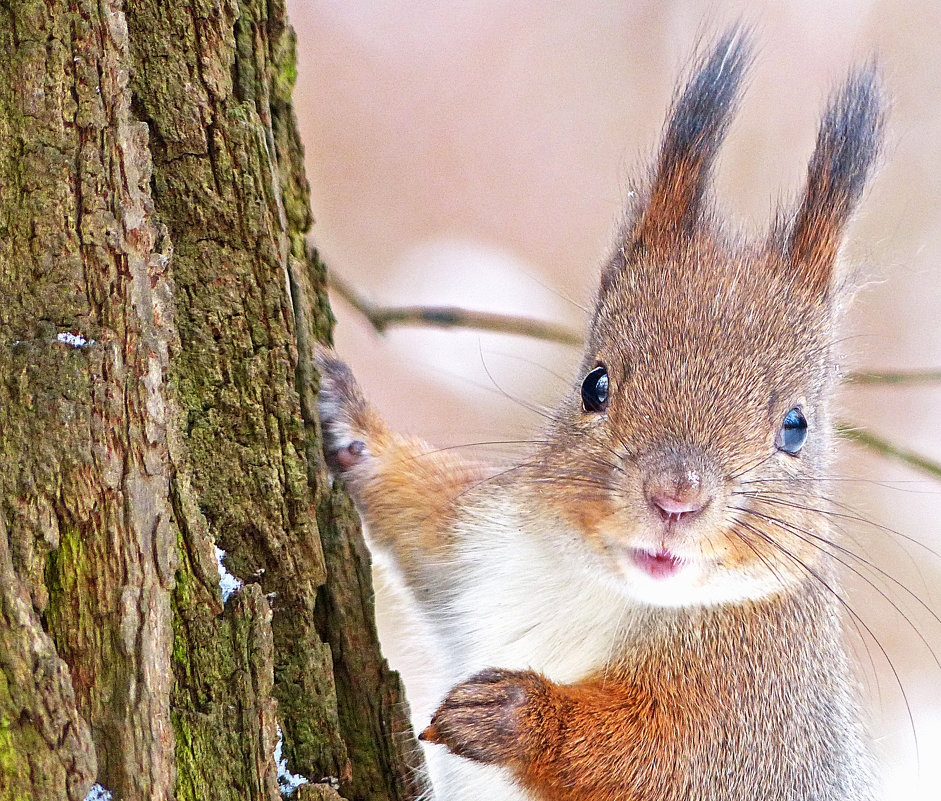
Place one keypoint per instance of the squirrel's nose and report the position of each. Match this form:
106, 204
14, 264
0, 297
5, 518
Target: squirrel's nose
678, 483
676, 507
678, 493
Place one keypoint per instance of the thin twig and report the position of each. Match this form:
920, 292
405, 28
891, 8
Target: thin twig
894, 377
382, 317
889, 449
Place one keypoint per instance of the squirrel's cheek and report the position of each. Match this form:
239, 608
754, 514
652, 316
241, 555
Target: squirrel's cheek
589, 518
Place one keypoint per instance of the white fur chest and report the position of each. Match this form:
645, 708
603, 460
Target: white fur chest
527, 601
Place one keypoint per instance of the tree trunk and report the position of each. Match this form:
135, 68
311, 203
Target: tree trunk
158, 302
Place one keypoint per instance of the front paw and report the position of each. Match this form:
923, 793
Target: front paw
488, 717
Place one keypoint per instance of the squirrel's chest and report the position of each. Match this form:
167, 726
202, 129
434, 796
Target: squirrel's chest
521, 604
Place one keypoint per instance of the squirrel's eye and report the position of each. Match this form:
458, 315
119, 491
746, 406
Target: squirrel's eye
792, 433
595, 390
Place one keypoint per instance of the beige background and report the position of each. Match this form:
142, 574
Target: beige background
479, 152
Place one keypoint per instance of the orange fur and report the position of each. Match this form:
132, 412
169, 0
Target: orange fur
414, 489
407, 490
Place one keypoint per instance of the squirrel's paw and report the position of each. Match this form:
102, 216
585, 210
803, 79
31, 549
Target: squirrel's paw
342, 413
483, 718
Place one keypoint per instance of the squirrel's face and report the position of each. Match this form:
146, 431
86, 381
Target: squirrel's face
690, 459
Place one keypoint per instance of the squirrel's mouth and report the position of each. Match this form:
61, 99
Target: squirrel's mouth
657, 564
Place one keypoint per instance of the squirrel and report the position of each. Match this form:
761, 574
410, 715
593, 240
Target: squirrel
645, 607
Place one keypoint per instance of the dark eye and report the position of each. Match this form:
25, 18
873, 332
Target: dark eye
595, 390
792, 433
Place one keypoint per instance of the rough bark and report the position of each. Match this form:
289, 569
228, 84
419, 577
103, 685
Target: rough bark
156, 398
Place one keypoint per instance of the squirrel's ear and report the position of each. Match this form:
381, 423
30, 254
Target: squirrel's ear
697, 125
848, 143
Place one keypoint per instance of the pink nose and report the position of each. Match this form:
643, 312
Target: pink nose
672, 508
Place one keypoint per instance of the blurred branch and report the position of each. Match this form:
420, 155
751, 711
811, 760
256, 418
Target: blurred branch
889, 449
895, 377
383, 317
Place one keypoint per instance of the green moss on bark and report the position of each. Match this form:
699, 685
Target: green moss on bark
13, 767
172, 240
237, 208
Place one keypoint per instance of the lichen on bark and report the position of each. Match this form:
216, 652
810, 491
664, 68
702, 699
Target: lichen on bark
84, 453
156, 399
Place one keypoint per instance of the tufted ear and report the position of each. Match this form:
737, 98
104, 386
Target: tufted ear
848, 143
697, 125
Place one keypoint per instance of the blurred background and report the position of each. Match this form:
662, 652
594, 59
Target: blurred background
479, 153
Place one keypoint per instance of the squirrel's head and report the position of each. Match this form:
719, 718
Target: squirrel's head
692, 453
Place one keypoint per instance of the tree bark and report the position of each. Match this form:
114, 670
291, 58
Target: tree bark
157, 398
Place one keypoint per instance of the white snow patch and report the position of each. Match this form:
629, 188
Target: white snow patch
76, 341
227, 582
98, 793
287, 782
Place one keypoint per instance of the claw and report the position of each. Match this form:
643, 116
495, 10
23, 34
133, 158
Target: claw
351, 455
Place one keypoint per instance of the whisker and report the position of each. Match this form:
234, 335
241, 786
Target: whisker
566, 381
846, 516
519, 401
749, 468
757, 553
480, 444
859, 633
836, 522
892, 485
810, 571
798, 532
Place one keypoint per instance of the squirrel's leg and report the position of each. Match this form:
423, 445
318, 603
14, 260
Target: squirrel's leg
404, 489
592, 741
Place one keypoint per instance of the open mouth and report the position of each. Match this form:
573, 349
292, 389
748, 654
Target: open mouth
657, 564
